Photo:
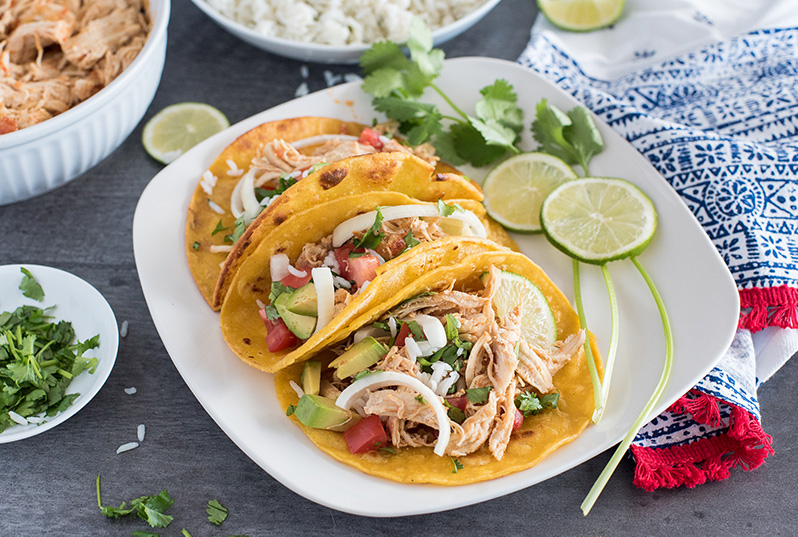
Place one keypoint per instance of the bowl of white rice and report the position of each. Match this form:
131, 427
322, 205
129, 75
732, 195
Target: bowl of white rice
338, 31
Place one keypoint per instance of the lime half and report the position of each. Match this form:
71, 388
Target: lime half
179, 127
581, 15
515, 189
599, 219
538, 326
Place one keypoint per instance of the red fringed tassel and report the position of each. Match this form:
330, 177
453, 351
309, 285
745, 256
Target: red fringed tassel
781, 302
745, 444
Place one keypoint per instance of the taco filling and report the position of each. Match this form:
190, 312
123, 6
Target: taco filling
328, 274
451, 370
280, 164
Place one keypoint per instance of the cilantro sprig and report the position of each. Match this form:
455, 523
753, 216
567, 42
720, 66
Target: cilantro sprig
572, 137
149, 508
397, 83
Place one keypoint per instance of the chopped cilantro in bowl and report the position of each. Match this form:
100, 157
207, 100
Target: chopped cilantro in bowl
58, 344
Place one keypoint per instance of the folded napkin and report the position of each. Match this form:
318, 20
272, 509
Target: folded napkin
707, 91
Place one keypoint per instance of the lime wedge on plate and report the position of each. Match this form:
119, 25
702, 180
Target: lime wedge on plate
515, 189
581, 15
598, 219
179, 127
538, 326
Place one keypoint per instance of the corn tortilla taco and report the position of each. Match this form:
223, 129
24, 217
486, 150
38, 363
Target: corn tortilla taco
358, 250
451, 380
266, 175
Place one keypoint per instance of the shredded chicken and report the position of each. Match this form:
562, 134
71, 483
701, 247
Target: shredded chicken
55, 54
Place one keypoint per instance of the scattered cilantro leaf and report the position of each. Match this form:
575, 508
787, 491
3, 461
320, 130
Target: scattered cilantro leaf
239, 228
453, 334
372, 238
271, 312
478, 396
410, 240
455, 414
387, 449
196, 245
217, 513
530, 404
415, 329
421, 400
290, 409
457, 465
149, 508
219, 228
30, 287
278, 289
381, 325
446, 210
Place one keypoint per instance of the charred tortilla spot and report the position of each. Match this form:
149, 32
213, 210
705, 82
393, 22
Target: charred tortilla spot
280, 249
441, 177
247, 341
523, 434
330, 178
280, 218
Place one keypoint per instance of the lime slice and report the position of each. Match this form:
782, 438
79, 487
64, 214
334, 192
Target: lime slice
179, 127
515, 189
599, 219
538, 326
581, 15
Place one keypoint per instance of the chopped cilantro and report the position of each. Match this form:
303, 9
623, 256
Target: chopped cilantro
38, 360
453, 335
361, 374
410, 240
478, 396
444, 209
415, 329
196, 245
530, 404
139, 533
284, 184
372, 238
149, 508
421, 400
457, 465
217, 513
271, 312
388, 449
30, 287
397, 83
455, 414
238, 230
278, 289
219, 228
289, 411
381, 325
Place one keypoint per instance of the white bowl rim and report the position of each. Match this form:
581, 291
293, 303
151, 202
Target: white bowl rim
87, 107
479, 12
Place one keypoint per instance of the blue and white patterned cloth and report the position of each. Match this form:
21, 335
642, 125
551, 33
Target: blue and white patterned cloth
714, 107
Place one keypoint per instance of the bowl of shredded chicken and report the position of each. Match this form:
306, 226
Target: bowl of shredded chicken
340, 31
76, 77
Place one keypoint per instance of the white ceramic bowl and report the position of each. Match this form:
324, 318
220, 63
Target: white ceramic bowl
40, 158
76, 301
312, 52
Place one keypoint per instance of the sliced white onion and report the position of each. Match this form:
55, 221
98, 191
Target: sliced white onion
424, 348
325, 296
439, 370
248, 199
413, 350
375, 254
321, 138
297, 388
236, 206
347, 229
17, 418
340, 282
260, 303
278, 266
367, 331
219, 248
296, 272
381, 379
433, 331
446, 384
392, 325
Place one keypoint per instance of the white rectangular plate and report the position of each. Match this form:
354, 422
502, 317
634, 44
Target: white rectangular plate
682, 261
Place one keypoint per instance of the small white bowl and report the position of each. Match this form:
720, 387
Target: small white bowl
313, 52
81, 304
45, 156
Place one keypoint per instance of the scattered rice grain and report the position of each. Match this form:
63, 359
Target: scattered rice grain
352, 77
123, 329
131, 390
304, 71
16, 418
140, 431
127, 447
302, 90
35, 419
215, 207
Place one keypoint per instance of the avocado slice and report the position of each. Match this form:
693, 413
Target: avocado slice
358, 357
319, 412
311, 377
303, 301
301, 325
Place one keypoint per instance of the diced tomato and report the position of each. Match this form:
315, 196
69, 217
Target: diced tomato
370, 137
296, 281
404, 331
366, 435
519, 420
363, 269
342, 257
280, 338
459, 402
